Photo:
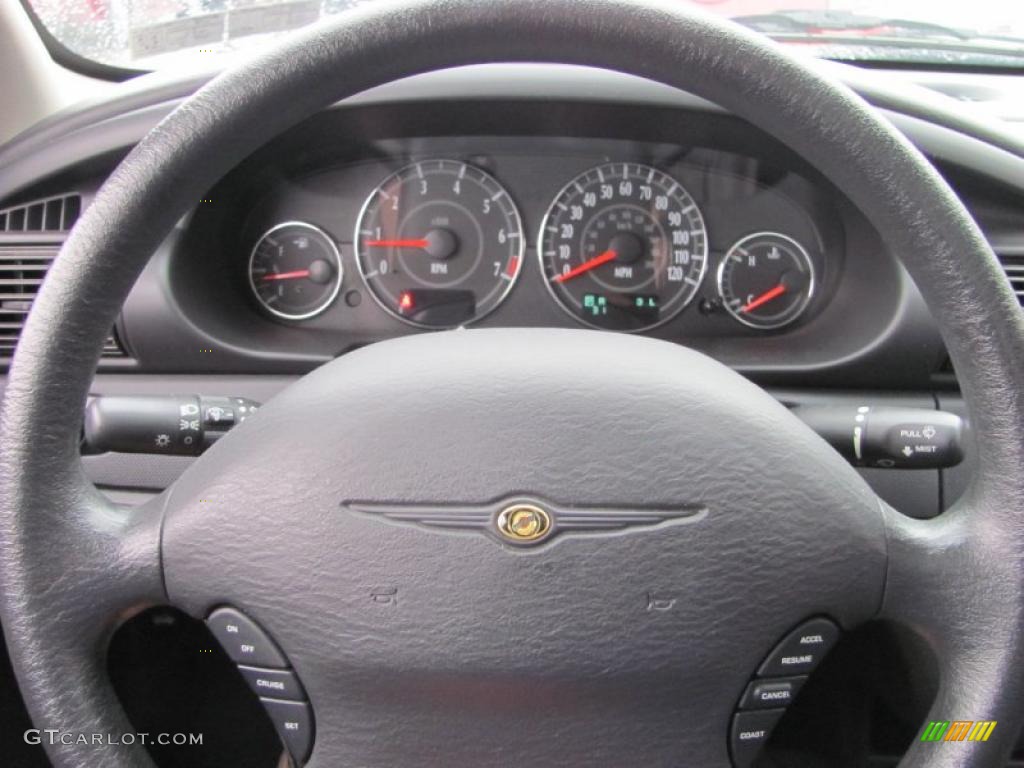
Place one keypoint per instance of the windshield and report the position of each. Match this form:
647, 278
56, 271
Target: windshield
157, 34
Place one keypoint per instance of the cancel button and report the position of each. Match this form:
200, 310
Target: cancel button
769, 694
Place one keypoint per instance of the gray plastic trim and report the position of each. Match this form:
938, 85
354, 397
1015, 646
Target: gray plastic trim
114, 125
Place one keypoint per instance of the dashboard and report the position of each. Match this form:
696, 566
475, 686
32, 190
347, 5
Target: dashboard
685, 226
520, 195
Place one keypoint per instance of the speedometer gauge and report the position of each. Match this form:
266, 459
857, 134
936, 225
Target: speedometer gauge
623, 247
439, 244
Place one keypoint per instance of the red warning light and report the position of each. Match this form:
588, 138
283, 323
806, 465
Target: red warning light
405, 302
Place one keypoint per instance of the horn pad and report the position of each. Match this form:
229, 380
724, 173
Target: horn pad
691, 522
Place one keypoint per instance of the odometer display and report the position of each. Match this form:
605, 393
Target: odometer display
439, 243
623, 247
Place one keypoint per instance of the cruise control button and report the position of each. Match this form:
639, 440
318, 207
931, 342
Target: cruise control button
801, 650
294, 723
766, 694
750, 731
278, 683
243, 640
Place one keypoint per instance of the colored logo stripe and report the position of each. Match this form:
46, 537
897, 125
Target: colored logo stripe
935, 730
958, 730
982, 730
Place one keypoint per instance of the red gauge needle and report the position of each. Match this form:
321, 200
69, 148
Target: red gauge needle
586, 266
297, 274
764, 298
398, 243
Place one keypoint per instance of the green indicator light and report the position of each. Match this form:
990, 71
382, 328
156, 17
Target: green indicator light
595, 304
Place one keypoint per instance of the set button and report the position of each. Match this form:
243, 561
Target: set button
294, 723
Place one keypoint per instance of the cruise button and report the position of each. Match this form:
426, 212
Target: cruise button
801, 650
750, 731
277, 683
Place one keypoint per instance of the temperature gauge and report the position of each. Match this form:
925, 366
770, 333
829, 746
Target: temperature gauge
766, 280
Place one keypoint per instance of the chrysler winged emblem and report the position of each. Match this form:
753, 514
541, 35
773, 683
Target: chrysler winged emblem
524, 521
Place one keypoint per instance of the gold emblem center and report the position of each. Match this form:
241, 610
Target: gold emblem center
524, 522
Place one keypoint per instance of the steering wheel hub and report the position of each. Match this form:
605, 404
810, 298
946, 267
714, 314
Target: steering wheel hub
727, 517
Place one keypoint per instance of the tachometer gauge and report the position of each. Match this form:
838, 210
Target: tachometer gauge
623, 247
295, 270
766, 280
439, 244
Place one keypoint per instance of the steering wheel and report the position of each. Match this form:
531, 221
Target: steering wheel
391, 471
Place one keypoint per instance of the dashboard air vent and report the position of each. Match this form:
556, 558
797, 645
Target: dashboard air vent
1011, 256
52, 214
31, 234
22, 269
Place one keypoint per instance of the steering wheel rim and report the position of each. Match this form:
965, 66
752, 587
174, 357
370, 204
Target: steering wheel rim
955, 580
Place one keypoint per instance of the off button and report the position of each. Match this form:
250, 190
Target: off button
801, 650
243, 639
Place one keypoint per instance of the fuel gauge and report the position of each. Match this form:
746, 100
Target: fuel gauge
295, 270
766, 280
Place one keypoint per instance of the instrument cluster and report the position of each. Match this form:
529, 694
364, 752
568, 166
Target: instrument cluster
627, 245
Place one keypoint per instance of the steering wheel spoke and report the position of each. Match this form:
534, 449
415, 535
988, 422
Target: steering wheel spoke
954, 586
90, 566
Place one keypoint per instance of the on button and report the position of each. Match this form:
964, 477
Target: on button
243, 640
